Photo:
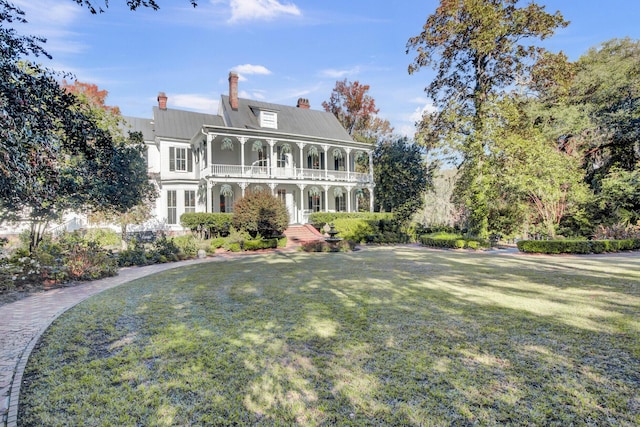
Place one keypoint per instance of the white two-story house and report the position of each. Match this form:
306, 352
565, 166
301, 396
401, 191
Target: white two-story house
205, 162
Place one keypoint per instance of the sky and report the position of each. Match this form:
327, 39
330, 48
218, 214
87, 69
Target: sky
282, 49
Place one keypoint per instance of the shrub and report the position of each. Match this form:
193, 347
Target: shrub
260, 213
452, 241
135, 254
256, 244
207, 224
104, 237
234, 242
324, 246
186, 245
216, 243
164, 250
577, 246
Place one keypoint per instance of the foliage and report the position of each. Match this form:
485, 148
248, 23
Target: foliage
577, 246
55, 155
257, 244
85, 259
207, 224
104, 237
607, 83
617, 232
619, 197
319, 219
95, 6
135, 254
234, 242
401, 178
475, 46
356, 111
528, 169
186, 245
324, 246
260, 213
452, 241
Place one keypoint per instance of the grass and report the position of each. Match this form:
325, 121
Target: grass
385, 336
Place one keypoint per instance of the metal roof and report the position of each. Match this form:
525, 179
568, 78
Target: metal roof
137, 124
181, 124
291, 120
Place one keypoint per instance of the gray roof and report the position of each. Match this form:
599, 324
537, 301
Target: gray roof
182, 124
291, 120
137, 124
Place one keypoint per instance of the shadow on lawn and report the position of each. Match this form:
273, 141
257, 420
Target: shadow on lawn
402, 337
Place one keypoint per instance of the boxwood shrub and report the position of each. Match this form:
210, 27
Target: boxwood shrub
577, 246
452, 241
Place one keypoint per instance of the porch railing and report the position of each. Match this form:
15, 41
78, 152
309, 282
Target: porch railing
255, 171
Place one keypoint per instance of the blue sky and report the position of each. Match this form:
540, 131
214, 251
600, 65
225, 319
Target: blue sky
282, 49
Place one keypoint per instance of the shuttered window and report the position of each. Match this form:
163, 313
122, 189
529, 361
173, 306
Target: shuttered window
180, 159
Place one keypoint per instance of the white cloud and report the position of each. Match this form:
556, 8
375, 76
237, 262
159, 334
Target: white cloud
246, 10
194, 102
51, 20
251, 69
417, 114
339, 74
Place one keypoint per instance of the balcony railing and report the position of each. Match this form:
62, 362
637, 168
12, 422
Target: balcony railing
255, 171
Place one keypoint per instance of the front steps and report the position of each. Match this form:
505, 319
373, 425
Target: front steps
299, 234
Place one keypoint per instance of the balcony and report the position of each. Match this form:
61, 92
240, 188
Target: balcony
264, 172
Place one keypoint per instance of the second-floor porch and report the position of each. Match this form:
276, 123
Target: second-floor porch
266, 171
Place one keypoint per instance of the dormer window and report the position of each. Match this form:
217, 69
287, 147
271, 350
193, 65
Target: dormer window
269, 119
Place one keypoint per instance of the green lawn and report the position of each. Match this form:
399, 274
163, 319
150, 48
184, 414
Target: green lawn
384, 336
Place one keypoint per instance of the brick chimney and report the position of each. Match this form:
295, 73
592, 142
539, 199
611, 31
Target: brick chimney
233, 90
162, 101
303, 103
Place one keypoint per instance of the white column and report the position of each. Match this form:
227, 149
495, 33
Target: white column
301, 147
273, 186
325, 147
242, 140
209, 202
348, 198
300, 217
272, 143
243, 186
371, 198
348, 162
326, 197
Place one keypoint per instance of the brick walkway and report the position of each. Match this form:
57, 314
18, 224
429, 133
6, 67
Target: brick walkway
22, 323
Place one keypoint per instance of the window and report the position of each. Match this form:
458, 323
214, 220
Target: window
282, 195
340, 203
226, 203
189, 201
338, 163
315, 160
268, 119
180, 159
172, 207
315, 202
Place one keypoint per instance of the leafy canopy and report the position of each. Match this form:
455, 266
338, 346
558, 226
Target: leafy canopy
356, 110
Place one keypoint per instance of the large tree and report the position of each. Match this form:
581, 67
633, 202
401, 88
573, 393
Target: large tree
56, 156
401, 177
478, 48
356, 110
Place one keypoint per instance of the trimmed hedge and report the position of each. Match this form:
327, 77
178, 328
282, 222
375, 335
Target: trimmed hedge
577, 246
207, 224
453, 242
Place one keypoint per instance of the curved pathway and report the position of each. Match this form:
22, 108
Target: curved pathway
23, 322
